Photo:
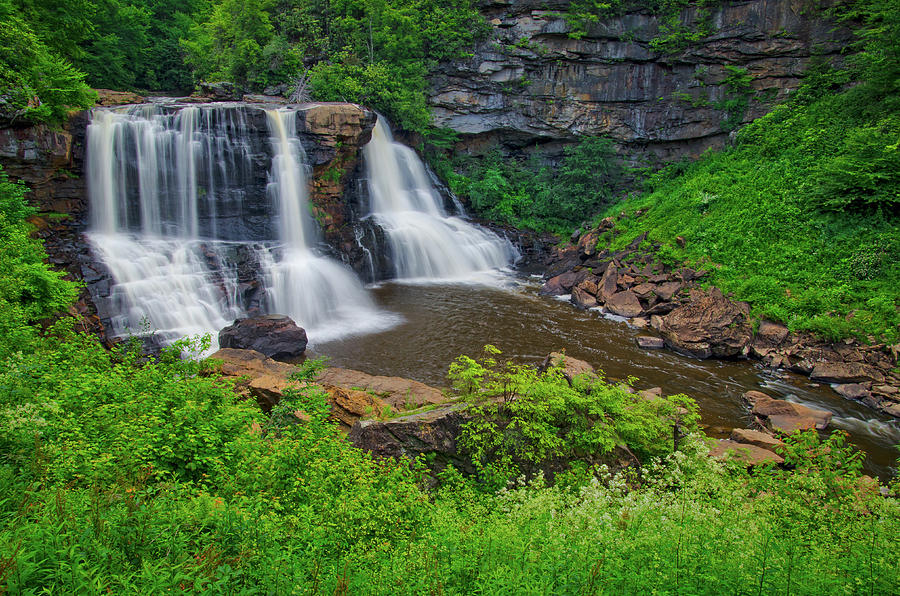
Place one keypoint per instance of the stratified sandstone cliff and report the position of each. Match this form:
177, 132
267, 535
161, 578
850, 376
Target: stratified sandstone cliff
531, 83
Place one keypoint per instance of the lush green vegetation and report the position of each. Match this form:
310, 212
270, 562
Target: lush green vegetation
375, 52
800, 217
123, 474
529, 193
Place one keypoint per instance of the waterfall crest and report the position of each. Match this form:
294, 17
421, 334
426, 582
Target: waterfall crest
183, 202
425, 242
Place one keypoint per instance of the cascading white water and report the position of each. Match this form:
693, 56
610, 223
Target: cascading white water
320, 294
142, 171
425, 242
171, 212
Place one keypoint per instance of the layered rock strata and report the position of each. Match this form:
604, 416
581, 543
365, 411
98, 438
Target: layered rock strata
535, 80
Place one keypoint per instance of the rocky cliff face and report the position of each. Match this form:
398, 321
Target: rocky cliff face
531, 83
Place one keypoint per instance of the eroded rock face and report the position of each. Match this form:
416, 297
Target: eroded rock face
275, 336
432, 433
530, 82
708, 326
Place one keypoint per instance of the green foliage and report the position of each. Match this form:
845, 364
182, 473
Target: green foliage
36, 83
376, 52
531, 194
800, 218
737, 96
29, 290
525, 421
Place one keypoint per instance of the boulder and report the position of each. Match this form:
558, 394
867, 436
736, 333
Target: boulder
845, 372
771, 334
571, 367
754, 437
750, 455
667, 290
351, 405
853, 391
608, 284
788, 416
650, 343
559, 285
433, 433
708, 326
624, 304
400, 393
276, 336
644, 290
582, 299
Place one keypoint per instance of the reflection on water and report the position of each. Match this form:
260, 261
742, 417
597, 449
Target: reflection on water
444, 321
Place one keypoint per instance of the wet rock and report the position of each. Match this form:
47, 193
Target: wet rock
571, 367
639, 322
624, 304
748, 454
582, 299
788, 416
853, 391
276, 336
559, 285
844, 372
650, 343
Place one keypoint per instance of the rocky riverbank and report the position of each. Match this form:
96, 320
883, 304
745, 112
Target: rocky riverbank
682, 313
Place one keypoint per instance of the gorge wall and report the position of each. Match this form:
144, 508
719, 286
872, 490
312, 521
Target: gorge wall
530, 83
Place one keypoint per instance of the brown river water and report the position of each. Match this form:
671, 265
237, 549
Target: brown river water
442, 321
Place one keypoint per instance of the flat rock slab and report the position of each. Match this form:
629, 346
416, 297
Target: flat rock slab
400, 393
650, 343
750, 455
788, 416
754, 437
250, 363
853, 391
845, 372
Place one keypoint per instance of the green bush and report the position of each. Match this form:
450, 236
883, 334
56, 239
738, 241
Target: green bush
36, 84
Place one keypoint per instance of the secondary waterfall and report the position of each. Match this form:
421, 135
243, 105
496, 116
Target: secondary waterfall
182, 205
309, 288
425, 242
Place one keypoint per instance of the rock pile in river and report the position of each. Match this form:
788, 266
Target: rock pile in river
635, 284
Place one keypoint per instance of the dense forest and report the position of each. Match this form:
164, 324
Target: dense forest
126, 473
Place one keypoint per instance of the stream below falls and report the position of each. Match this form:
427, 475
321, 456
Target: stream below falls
443, 321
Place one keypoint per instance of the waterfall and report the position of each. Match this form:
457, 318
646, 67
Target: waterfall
317, 292
425, 242
183, 205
